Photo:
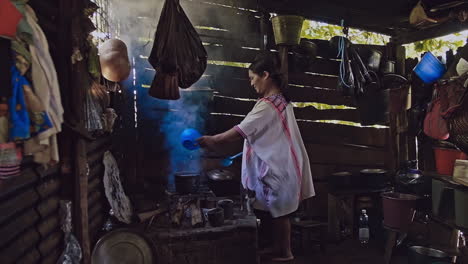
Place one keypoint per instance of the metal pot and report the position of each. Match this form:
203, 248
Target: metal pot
341, 180
423, 255
220, 175
222, 182
373, 178
371, 58
186, 182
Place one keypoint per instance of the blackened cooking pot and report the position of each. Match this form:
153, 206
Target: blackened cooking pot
222, 182
186, 182
372, 178
341, 180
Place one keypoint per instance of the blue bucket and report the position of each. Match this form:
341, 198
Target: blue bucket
189, 138
429, 69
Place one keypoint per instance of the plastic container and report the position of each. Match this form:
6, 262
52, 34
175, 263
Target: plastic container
189, 138
442, 199
364, 227
287, 29
445, 159
461, 202
398, 209
228, 206
429, 69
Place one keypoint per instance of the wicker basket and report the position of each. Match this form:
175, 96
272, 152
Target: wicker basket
287, 29
457, 123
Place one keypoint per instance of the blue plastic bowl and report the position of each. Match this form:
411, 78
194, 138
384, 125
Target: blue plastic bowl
189, 138
429, 69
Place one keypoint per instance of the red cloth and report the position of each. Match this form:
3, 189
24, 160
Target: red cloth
9, 18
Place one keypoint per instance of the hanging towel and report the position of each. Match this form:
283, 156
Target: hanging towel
19, 118
45, 83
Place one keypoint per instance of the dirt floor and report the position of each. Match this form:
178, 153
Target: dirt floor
346, 252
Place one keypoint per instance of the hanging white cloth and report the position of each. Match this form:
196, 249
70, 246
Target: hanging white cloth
45, 83
275, 163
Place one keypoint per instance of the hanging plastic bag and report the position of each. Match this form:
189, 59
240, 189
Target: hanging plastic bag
178, 54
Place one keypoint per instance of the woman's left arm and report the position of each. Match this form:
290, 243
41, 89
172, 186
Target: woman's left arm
226, 137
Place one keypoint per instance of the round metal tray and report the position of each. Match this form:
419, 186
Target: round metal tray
123, 246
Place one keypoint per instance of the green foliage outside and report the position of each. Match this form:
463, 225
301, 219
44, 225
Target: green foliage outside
438, 46
318, 30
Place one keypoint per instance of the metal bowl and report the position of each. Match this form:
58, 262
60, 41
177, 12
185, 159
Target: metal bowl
124, 246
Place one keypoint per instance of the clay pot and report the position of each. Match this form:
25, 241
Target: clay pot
115, 65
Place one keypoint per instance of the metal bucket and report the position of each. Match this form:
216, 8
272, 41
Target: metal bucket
287, 29
424, 255
461, 214
398, 209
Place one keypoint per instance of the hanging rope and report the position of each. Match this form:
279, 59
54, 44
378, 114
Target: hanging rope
342, 54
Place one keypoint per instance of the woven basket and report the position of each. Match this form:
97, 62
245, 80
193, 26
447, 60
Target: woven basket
458, 124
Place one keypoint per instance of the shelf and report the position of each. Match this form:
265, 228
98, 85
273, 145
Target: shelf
351, 191
449, 223
445, 178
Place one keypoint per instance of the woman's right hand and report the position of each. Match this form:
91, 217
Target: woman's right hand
208, 142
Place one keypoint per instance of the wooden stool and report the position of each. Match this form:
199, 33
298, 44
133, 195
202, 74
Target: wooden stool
305, 229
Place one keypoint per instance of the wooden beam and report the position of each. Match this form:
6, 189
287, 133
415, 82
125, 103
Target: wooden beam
244, 4
10, 186
19, 246
317, 132
332, 13
33, 256
231, 105
433, 32
50, 243
17, 203
14, 228
346, 155
323, 171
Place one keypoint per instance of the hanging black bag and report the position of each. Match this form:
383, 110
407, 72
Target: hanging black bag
178, 54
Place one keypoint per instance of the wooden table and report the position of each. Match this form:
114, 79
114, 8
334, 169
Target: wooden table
345, 197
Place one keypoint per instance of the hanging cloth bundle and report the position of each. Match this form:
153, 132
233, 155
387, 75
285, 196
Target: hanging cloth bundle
178, 54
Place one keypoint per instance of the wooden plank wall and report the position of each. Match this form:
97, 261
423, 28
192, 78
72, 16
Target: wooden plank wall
98, 206
233, 35
29, 218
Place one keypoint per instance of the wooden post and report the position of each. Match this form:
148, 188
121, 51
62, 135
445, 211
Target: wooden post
283, 52
81, 199
80, 83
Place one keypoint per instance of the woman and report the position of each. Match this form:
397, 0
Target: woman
275, 163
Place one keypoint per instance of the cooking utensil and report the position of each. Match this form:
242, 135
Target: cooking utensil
189, 138
373, 178
186, 182
220, 175
222, 182
124, 246
215, 217
423, 255
340, 179
228, 206
229, 160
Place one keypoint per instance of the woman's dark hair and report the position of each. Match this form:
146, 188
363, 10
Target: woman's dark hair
269, 62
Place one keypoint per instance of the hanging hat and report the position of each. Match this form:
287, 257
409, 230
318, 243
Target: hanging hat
113, 56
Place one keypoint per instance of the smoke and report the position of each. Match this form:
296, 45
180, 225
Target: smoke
190, 111
135, 23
